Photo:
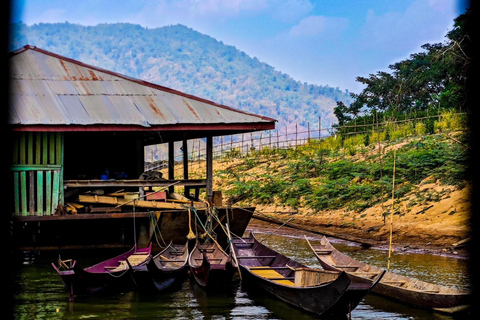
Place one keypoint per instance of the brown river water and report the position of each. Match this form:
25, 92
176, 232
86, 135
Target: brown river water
39, 294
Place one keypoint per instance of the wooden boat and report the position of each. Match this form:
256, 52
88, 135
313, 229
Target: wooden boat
168, 268
110, 274
210, 265
318, 291
392, 285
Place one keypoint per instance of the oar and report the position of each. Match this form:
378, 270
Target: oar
233, 251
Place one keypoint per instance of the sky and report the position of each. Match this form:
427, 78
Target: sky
323, 42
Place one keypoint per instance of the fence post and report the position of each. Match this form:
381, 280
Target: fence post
308, 127
319, 128
278, 140
296, 136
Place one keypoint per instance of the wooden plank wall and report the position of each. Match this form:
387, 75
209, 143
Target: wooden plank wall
37, 173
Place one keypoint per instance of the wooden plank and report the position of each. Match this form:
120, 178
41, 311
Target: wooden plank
23, 148
44, 148
51, 148
16, 192
23, 192
55, 190
60, 163
31, 193
16, 144
58, 148
48, 192
121, 201
38, 148
199, 183
40, 193
34, 167
30, 148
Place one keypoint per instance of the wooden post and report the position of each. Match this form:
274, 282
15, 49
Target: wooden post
296, 136
308, 126
171, 165
278, 140
209, 169
186, 191
319, 128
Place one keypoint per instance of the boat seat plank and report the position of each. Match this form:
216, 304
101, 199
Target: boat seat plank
168, 260
323, 252
137, 259
346, 267
399, 282
256, 257
121, 267
273, 275
264, 267
366, 274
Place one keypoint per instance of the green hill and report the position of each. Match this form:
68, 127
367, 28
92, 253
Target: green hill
186, 60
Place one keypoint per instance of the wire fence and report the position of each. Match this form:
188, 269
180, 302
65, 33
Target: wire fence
242, 145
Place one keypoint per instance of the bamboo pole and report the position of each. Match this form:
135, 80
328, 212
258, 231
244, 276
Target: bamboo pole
391, 214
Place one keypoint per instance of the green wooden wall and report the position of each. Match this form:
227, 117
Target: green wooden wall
37, 172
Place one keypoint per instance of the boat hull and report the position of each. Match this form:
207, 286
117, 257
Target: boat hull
394, 286
168, 269
115, 274
317, 300
210, 265
317, 291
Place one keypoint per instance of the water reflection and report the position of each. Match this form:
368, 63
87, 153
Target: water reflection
39, 292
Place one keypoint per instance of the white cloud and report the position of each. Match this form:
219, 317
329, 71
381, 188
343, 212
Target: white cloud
319, 25
288, 11
424, 21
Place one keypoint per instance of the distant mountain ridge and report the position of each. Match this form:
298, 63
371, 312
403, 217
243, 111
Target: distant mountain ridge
183, 59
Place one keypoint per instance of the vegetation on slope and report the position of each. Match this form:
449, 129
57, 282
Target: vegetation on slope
334, 174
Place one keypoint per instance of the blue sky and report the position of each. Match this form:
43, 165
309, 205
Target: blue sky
320, 42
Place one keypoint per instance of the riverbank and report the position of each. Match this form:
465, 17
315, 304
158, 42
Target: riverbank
439, 226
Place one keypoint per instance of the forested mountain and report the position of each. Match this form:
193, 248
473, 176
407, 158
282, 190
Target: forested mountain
184, 59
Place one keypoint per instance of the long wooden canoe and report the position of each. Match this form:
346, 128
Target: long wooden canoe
210, 265
314, 290
169, 267
110, 274
401, 288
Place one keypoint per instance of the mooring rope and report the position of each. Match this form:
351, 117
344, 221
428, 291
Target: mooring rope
155, 228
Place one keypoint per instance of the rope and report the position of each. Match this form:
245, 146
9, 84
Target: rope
134, 227
190, 234
391, 214
155, 228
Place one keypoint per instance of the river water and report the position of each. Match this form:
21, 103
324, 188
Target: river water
39, 293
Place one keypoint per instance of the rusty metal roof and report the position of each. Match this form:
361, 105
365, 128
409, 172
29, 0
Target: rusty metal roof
50, 90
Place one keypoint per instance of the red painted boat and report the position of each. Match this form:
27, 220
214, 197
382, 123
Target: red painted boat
210, 265
112, 274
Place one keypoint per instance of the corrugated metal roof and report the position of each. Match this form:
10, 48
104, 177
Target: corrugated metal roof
48, 89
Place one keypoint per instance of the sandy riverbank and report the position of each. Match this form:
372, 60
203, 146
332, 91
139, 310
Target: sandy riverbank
432, 219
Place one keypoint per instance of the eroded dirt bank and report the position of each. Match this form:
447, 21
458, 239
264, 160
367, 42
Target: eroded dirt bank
433, 219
